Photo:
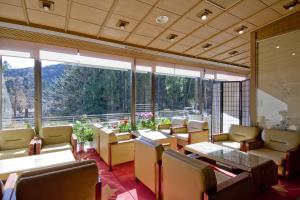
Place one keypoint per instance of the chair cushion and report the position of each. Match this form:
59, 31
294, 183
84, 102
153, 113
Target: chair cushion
277, 156
228, 143
239, 133
279, 140
178, 121
13, 153
15, 138
182, 136
165, 131
194, 125
56, 147
56, 134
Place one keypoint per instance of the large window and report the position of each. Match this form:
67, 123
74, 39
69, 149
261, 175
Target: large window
71, 91
17, 92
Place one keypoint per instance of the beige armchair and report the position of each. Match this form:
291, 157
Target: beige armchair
74, 181
116, 148
283, 147
16, 143
176, 122
188, 178
236, 136
56, 138
147, 163
196, 131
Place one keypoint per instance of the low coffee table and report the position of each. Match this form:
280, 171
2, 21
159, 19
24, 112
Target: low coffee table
27, 163
158, 137
262, 170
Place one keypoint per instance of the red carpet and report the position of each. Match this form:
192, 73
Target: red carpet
120, 183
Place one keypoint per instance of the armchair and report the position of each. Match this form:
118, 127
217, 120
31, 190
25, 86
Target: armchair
16, 143
283, 147
176, 122
188, 178
38, 184
56, 138
196, 131
116, 148
236, 136
147, 163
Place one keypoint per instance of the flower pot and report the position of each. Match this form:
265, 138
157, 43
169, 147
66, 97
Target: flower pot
80, 146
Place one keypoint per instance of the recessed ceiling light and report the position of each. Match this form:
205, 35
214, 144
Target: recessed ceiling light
206, 46
46, 5
233, 52
277, 47
241, 30
122, 24
172, 37
293, 54
203, 14
291, 5
162, 19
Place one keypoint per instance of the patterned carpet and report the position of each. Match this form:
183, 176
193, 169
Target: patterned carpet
120, 184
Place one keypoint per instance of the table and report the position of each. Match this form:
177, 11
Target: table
158, 137
27, 163
262, 170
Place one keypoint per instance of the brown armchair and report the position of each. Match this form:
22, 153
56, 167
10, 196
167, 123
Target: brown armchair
196, 131
16, 143
43, 183
283, 147
56, 138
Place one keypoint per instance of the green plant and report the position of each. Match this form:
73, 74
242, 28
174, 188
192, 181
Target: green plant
124, 126
27, 124
165, 121
83, 132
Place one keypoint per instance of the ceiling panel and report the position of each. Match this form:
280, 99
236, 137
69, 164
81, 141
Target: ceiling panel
222, 37
235, 42
114, 19
205, 32
12, 2
190, 41
246, 8
269, 2
132, 8
238, 57
177, 6
11, 12
159, 12
60, 6
185, 25
160, 44
223, 21
100, 4
233, 29
139, 39
46, 19
243, 61
148, 30
221, 49
87, 14
114, 34
195, 51
208, 54
263, 17
178, 48
151, 2
83, 27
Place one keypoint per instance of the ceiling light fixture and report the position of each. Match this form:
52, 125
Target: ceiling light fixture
233, 52
241, 30
277, 47
122, 24
162, 19
46, 5
172, 37
293, 54
203, 14
206, 46
291, 5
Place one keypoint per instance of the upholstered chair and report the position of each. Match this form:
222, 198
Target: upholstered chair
147, 163
116, 148
16, 143
56, 138
176, 122
236, 136
283, 147
195, 131
189, 178
74, 181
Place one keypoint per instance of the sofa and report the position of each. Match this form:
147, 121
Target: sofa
195, 131
283, 147
188, 178
176, 122
16, 143
116, 148
236, 136
147, 163
73, 181
56, 138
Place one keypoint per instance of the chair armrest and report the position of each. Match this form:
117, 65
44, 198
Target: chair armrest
123, 136
198, 136
182, 129
9, 186
163, 126
38, 145
252, 144
125, 141
241, 185
219, 137
31, 147
292, 164
74, 143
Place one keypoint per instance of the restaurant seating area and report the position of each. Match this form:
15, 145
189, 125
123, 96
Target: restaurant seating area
149, 100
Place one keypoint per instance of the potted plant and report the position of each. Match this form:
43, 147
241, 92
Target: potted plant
83, 132
146, 121
124, 126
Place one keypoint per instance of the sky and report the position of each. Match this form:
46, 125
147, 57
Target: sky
17, 63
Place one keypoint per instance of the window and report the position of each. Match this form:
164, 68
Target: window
17, 92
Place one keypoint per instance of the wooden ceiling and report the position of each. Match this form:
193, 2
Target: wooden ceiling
99, 19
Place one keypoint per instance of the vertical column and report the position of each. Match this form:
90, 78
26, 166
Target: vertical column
221, 106
1, 74
153, 94
197, 97
133, 93
37, 95
241, 103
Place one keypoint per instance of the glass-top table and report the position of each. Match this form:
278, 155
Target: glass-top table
226, 155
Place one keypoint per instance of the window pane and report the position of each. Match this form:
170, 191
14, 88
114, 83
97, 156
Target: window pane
17, 92
71, 91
